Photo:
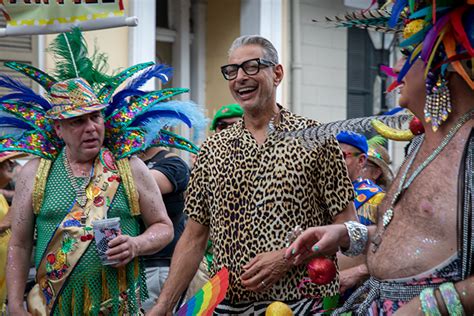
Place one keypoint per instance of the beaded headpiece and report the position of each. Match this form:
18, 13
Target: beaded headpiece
134, 119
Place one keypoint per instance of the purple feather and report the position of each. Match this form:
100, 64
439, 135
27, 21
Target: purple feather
161, 71
14, 85
8, 122
431, 37
119, 101
27, 99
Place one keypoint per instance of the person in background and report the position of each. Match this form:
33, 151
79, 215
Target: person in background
6, 176
226, 116
377, 167
368, 196
171, 174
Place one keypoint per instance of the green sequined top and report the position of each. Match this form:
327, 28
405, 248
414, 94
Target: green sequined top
90, 283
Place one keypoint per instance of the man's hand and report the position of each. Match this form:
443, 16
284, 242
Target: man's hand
263, 271
317, 241
122, 248
160, 310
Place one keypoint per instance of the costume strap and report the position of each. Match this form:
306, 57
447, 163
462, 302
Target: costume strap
40, 184
74, 234
123, 166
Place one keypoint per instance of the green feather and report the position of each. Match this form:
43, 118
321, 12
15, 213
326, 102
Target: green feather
72, 59
377, 140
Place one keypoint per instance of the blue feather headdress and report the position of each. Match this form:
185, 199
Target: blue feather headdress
134, 119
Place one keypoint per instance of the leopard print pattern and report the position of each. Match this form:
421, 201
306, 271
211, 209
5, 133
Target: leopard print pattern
251, 195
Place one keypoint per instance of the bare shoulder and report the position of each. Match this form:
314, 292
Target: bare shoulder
141, 174
28, 172
136, 164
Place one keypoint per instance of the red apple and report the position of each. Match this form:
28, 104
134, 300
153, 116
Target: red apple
321, 270
416, 127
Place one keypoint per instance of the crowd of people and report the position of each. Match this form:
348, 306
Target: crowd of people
261, 205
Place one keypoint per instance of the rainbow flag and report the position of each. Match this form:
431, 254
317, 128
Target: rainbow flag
207, 298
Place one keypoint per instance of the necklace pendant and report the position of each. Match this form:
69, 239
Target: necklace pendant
387, 217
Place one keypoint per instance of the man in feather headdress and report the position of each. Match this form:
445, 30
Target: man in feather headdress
83, 184
420, 254
86, 133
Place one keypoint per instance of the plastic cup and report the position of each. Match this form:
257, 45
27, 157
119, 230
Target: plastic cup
104, 231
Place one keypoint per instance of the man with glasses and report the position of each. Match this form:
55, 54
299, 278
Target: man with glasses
250, 190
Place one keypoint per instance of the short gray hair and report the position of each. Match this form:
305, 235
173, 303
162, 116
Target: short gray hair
269, 51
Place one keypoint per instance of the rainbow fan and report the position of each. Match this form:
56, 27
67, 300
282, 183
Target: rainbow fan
207, 298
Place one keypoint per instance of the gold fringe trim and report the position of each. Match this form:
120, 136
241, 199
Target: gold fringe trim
105, 289
60, 304
122, 279
73, 302
129, 185
40, 184
87, 300
136, 268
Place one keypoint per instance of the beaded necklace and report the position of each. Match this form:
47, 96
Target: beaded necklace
404, 183
80, 191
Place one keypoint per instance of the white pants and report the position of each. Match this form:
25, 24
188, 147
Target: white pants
155, 278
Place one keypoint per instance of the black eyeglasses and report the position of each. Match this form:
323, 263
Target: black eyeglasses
250, 67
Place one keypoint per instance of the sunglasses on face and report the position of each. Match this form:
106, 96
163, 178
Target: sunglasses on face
223, 125
346, 154
250, 67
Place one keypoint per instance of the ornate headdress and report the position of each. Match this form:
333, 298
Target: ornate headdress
440, 32
134, 119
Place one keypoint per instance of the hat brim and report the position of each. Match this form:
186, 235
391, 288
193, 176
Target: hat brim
387, 173
67, 114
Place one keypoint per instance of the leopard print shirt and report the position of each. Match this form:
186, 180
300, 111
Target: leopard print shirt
251, 196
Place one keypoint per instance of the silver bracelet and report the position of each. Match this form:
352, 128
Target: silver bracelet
358, 235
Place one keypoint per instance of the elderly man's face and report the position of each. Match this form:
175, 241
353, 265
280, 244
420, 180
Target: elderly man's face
83, 135
253, 91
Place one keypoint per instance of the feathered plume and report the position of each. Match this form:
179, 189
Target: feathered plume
120, 100
373, 20
377, 140
161, 71
314, 136
15, 85
108, 90
45, 80
22, 93
172, 113
72, 59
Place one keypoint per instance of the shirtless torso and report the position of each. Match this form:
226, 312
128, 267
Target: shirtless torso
422, 233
